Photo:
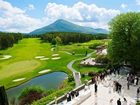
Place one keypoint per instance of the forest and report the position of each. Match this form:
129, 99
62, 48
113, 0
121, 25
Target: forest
70, 37
8, 39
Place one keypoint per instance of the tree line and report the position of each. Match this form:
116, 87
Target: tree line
69, 37
8, 39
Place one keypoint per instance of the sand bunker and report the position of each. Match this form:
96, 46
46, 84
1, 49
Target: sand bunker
44, 71
56, 58
43, 59
39, 57
20, 79
5, 57
54, 55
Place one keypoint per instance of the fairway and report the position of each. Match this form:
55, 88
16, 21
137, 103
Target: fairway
24, 64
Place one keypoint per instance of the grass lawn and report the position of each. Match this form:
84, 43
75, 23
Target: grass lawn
86, 69
23, 63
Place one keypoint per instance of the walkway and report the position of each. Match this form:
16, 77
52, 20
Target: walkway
76, 74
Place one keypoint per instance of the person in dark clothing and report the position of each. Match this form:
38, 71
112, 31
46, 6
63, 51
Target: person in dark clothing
77, 93
93, 79
119, 88
95, 86
138, 93
119, 102
124, 99
118, 71
68, 97
137, 81
128, 85
72, 94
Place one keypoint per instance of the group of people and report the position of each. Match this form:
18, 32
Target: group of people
132, 80
71, 95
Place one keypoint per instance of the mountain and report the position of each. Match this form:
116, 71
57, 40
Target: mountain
65, 26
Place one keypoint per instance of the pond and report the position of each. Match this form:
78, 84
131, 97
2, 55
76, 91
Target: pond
47, 81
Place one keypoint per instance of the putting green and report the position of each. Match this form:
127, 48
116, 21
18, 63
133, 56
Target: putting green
18, 68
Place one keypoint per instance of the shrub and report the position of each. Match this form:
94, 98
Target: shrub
102, 59
94, 45
70, 78
82, 75
51, 97
30, 94
91, 74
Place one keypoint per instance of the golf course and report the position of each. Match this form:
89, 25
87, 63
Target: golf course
30, 58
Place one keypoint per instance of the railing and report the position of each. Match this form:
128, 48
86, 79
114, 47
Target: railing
64, 97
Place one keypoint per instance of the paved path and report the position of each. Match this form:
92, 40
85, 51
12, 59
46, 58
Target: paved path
76, 74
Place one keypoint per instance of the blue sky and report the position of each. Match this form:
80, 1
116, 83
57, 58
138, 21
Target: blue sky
27, 15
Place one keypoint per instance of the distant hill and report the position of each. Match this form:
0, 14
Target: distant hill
65, 26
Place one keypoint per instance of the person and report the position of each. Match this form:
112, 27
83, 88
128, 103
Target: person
128, 87
118, 71
68, 97
124, 101
138, 93
86, 87
77, 93
72, 94
137, 81
95, 86
119, 102
93, 79
111, 101
119, 88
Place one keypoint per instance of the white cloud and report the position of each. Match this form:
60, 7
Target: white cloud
15, 19
138, 2
81, 13
123, 6
31, 7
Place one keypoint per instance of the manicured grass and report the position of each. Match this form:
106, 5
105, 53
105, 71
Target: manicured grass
85, 69
24, 65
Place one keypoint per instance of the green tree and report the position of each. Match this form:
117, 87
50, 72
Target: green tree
125, 34
53, 41
58, 40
